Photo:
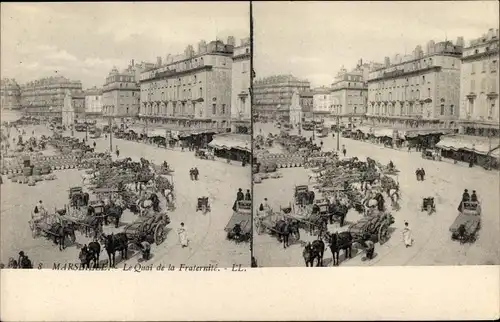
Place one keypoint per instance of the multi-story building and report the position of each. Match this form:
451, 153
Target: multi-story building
272, 96
10, 94
322, 102
45, 96
418, 90
240, 88
121, 92
78, 103
93, 102
191, 91
349, 94
479, 89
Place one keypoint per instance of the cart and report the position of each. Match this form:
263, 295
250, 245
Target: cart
467, 223
428, 205
375, 226
151, 228
239, 227
203, 205
301, 193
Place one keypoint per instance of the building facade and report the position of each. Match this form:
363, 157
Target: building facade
45, 96
306, 101
121, 94
418, 90
93, 101
349, 94
272, 96
192, 90
479, 86
10, 94
240, 88
322, 100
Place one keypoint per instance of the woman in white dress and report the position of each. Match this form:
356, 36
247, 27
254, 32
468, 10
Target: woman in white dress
407, 236
182, 235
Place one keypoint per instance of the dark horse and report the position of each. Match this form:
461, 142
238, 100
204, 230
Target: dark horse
284, 228
59, 234
339, 211
113, 211
90, 254
114, 243
312, 251
340, 241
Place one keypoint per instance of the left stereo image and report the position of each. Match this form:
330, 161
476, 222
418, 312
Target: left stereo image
126, 138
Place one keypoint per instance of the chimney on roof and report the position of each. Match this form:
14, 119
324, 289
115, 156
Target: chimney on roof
158, 61
230, 41
460, 42
387, 61
133, 63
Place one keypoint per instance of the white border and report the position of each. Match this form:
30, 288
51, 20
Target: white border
334, 293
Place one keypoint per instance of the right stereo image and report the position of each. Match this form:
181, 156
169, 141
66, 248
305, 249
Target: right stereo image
375, 134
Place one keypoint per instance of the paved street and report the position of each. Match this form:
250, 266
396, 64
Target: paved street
208, 245
433, 245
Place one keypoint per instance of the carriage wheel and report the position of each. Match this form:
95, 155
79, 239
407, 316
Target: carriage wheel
383, 234
160, 233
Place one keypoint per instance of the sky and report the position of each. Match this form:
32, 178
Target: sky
313, 40
83, 41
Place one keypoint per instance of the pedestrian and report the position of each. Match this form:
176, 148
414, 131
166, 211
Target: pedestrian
105, 135
181, 231
95, 144
248, 196
321, 143
145, 249
417, 173
344, 151
473, 197
407, 236
369, 247
191, 175
422, 174
117, 152
240, 195
196, 173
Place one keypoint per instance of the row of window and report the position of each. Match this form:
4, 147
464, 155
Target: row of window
484, 66
185, 94
492, 85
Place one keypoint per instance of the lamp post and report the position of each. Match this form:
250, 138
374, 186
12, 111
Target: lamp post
338, 132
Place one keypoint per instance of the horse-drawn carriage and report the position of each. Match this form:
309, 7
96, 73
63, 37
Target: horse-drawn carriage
303, 196
151, 228
203, 205
77, 197
375, 226
58, 230
430, 155
428, 205
239, 226
467, 223
204, 154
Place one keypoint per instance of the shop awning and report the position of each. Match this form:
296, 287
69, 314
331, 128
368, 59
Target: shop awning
470, 144
157, 132
383, 132
363, 129
232, 141
136, 129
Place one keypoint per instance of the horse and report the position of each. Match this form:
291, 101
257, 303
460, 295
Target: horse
114, 211
284, 228
337, 210
340, 241
114, 243
60, 233
312, 251
90, 254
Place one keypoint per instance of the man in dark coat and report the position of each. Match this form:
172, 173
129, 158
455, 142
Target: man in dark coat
422, 174
240, 195
418, 174
248, 196
465, 196
473, 197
